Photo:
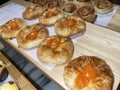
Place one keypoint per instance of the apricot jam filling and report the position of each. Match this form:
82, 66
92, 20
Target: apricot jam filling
87, 74
13, 25
32, 35
53, 43
70, 22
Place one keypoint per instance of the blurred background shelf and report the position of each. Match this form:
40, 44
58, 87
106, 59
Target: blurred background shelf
22, 82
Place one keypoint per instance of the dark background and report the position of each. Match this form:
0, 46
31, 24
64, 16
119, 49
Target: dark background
3, 1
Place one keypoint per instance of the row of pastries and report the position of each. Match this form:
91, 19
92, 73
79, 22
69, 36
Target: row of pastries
59, 47
85, 9
82, 73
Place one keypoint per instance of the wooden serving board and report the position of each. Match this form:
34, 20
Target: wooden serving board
114, 23
100, 42
96, 41
17, 76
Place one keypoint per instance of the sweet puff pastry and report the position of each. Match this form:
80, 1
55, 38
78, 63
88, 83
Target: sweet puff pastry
69, 26
11, 28
31, 36
55, 50
86, 13
69, 8
81, 3
33, 11
102, 6
51, 15
88, 73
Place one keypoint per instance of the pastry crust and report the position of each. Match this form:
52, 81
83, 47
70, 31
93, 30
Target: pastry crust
11, 28
51, 15
81, 3
33, 11
69, 26
55, 50
69, 8
55, 3
32, 35
102, 6
91, 72
86, 13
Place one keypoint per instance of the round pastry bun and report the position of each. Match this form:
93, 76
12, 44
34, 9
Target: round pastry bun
87, 13
3, 71
55, 50
32, 35
11, 28
51, 15
9, 86
69, 26
81, 3
55, 3
103, 6
33, 11
69, 8
88, 73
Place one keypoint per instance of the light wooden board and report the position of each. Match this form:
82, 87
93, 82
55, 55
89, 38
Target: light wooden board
97, 41
22, 82
114, 23
100, 42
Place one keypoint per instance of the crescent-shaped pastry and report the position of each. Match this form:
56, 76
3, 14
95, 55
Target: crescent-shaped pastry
55, 50
32, 35
51, 15
86, 13
11, 28
33, 11
88, 73
103, 6
69, 26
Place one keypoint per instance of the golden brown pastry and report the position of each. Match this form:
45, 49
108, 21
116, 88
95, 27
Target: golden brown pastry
81, 3
69, 0
33, 11
102, 6
69, 26
86, 13
32, 35
11, 28
88, 73
51, 15
55, 3
69, 8
3, 71
9, 86
41, 2
55, 50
